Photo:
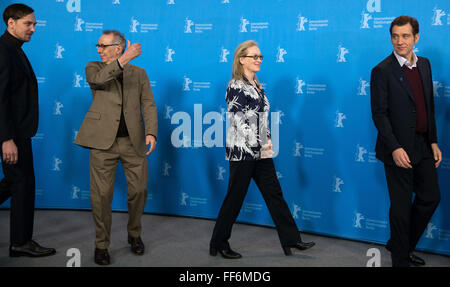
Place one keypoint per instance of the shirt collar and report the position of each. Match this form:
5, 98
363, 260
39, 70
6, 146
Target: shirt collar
403, 61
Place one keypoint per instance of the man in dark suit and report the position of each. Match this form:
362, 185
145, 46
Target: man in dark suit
403, 112
18, 124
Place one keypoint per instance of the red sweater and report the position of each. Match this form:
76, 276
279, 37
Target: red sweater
415, 82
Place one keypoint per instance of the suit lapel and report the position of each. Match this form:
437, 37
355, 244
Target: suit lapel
423, 71
127, 71
400, 76
118, 85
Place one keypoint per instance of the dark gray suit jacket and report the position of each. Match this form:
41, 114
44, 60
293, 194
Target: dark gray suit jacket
394, 109
19, 111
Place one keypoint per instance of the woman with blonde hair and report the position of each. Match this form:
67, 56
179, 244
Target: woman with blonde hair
249, 151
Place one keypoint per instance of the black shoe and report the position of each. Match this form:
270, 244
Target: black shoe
226, 253
416, 260
388, 247
412, 258
137, 246
30, 249
299, 245
101, 256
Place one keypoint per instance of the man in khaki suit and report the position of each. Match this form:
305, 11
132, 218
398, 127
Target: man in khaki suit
120, 123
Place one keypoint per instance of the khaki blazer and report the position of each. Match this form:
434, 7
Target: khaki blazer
100, 125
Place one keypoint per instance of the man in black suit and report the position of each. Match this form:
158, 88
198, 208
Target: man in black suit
18, 124
403, 112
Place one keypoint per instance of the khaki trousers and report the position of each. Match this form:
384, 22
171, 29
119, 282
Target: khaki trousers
103, 165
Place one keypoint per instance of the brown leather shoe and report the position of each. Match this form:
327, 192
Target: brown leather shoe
101, 256
137, 246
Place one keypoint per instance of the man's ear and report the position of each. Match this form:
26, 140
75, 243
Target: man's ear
11, 22
120, 49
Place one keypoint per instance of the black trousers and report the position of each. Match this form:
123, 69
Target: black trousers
19, 184
408, 218
264, 174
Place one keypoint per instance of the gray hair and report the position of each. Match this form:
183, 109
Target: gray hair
119, 38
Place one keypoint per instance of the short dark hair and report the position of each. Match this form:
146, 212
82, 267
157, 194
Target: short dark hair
119, 38
403, 20
16, 11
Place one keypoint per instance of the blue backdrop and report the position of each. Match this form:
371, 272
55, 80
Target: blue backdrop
316, 72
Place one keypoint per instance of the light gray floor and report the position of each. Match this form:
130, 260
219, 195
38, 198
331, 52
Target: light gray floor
184, 242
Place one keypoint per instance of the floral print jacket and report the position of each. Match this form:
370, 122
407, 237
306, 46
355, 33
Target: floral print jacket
247, 111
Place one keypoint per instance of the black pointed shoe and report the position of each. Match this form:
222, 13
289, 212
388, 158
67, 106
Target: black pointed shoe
101, 256
226, 253
30, 249
137, 246
299, 245
416, 260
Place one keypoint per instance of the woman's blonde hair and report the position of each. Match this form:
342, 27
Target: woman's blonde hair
241, 51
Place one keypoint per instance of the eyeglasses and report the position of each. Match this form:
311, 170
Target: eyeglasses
103, 46
255, 57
